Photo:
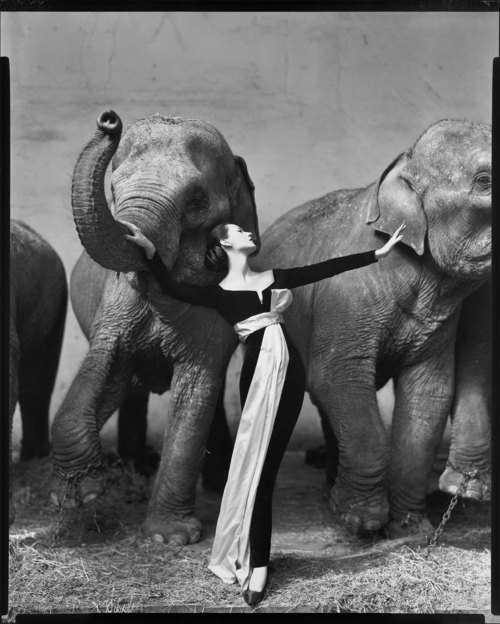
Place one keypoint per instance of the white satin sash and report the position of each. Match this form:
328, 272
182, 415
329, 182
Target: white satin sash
230, 558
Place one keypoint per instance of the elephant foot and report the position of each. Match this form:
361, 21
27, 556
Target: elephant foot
144, 463
477, 487
77, 490
173, 530
31, 452
369, 513
147, 464
316, 457
411, 524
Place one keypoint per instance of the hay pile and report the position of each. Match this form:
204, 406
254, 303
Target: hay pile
100, 562
449, 579
134, 574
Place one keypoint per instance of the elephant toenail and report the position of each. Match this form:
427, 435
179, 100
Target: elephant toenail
352, 520
157, 537
54, 499
177, 540
89, 497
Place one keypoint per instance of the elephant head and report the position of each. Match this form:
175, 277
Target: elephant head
174, 178
441, 189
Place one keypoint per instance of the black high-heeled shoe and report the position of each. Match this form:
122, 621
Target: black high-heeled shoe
252, 597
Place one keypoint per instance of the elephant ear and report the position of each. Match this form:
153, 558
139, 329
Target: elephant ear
244, 209
393, 200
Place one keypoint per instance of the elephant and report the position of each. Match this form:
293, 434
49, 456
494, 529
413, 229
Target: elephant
397, 319
38, 301
175, 179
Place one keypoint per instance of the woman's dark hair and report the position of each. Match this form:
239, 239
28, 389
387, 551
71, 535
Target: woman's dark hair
216, 257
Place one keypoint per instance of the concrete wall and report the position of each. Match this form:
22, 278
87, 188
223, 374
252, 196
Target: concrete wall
312, 101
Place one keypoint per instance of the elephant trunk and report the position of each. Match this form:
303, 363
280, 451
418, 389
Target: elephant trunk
99, 232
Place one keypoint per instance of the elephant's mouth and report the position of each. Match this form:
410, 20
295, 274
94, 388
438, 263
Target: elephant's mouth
484, 258
479, 265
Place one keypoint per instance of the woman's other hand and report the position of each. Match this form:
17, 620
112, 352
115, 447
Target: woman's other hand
395, 238
139, 238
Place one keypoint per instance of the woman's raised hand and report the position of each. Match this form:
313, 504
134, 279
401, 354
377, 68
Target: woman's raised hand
139, 238
395, 238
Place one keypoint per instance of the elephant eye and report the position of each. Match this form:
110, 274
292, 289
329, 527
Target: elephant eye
197, 208
199, 201
482, 182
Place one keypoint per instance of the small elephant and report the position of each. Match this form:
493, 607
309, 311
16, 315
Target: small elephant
395, 319
175, 179
38, 300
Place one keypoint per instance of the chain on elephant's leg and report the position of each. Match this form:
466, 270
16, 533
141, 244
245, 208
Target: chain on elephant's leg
77, 453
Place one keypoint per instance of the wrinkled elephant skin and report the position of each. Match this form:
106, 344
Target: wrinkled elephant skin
175, 179
394, 319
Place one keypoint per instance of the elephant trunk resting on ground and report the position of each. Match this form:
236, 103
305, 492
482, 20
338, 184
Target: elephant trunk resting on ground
397, 319
175, 179
38, 299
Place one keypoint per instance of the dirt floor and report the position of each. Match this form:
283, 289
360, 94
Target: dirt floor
95, 559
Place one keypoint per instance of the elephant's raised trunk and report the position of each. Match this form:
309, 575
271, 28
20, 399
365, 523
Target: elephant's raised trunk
100, 233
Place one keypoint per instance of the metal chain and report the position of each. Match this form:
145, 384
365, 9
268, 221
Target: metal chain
468, 476
61, 514
445, 518
72, 479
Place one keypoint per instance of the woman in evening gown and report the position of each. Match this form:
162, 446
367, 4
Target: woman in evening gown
272, 386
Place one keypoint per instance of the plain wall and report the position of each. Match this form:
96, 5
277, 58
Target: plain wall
312, 101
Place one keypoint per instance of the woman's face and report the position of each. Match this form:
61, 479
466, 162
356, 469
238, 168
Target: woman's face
238, 239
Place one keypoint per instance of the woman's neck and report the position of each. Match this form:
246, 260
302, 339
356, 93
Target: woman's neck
238, 267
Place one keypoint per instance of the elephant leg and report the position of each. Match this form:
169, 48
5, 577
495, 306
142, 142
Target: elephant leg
95, 393
132, 432
331, 449
423, 396
357, 439
171, 516
325, 456
38, 370
219, 448
36, 382
471, 411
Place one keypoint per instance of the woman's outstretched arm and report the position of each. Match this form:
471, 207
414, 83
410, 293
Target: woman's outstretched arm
300, 276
